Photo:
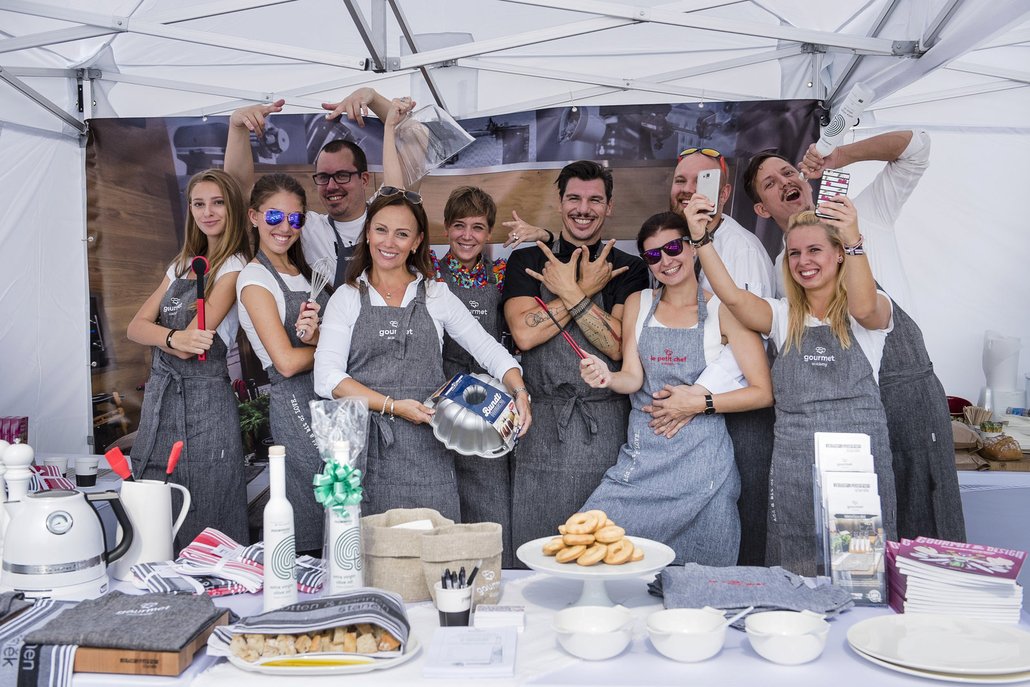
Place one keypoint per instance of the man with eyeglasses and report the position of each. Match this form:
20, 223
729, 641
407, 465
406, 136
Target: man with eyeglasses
917, 410
581, 286
341, 175
748, 263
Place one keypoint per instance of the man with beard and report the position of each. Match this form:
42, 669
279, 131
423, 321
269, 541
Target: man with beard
341, 175
751, 432
577, 431
916, 406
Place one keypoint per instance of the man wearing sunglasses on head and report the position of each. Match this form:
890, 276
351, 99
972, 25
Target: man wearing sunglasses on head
749, 265
581, 286
917, 410
341, 175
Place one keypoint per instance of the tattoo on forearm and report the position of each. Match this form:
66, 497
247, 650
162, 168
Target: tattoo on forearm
533, 319
595, 325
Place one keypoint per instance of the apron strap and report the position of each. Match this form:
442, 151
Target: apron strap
565, 416
385, 430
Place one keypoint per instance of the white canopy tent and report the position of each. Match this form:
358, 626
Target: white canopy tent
954, 67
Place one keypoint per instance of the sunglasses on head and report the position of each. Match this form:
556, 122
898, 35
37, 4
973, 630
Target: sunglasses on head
672, 248
410, 196
707, 152
294, 219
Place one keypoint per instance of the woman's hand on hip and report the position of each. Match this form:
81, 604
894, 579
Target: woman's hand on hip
674, 407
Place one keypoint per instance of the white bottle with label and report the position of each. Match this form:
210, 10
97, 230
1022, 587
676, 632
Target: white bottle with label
280, 580
847, 116
343, 538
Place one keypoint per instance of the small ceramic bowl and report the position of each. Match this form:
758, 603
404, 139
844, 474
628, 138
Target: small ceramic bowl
687, 634
789, 638
594, 632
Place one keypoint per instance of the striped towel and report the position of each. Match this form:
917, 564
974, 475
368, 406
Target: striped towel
41, 665
48, 477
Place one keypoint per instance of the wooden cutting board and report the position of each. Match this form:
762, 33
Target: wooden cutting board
130, 662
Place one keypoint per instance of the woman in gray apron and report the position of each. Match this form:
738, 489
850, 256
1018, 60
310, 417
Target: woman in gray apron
186, 398
382, 339
680, 490
284, 339
829, 333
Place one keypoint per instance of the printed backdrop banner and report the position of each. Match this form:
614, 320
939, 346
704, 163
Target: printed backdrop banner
137, 170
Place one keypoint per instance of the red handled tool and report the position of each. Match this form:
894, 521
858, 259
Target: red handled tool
116, 459
173, 459
568, 337
200, 267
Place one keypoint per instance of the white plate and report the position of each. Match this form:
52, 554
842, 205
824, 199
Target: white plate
944, 644
410, 650
1003, 679
656, 556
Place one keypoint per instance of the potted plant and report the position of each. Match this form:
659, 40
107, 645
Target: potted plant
254, 427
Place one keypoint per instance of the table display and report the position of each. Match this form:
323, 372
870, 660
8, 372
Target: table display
324, 664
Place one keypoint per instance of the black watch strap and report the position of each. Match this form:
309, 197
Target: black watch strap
709, 405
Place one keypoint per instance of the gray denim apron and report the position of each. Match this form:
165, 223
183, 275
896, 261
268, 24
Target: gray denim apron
575, 437
680, 491
822, 387
396, 351
289, 418
929, 504
191, 400
484, 484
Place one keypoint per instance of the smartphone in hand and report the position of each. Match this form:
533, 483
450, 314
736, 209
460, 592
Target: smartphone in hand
708, 186
834, 183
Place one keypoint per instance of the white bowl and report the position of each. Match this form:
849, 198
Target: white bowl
687, 634
594, 632
787, 637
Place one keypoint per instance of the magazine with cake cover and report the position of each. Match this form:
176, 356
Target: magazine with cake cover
975, 563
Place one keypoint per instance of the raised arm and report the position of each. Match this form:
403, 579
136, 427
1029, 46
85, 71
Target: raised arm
886, 147
871, 309
239, 160
748, 308
393, 170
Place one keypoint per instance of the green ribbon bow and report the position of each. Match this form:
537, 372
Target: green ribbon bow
337, 486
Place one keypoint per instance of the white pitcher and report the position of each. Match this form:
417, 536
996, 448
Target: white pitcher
149, 505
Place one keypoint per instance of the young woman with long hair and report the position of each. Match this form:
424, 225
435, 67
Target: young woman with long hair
190, 399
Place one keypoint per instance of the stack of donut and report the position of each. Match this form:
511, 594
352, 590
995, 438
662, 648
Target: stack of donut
590, 538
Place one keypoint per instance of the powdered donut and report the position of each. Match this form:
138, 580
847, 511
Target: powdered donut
569, 554
592, 556
581, 523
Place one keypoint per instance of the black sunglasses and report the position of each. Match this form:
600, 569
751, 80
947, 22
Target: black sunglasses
672, 248
341, 177
411, 196
274, 217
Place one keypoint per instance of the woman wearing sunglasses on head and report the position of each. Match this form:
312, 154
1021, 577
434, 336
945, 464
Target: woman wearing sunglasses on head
822, 380
186, 398
282, 326
382, 339
677, 482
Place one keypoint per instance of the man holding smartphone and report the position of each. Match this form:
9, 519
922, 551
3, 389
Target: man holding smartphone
704, 171
913, 397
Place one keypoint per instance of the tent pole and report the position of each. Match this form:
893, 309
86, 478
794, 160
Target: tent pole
41, 100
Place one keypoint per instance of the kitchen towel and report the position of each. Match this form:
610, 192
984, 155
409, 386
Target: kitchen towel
737, 587
58, 664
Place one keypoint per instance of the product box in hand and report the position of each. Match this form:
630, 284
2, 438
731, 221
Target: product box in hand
475, 416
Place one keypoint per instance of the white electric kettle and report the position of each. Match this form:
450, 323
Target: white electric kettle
55, 546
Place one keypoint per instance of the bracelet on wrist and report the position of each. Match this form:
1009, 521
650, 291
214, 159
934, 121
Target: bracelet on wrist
550, 237
382, 410
168, 339
855, 248
580, 307
703, 241
392, 401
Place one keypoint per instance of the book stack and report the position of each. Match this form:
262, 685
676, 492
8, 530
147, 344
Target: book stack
968, 580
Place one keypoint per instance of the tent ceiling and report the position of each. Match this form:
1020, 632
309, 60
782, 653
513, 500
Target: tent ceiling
477, 57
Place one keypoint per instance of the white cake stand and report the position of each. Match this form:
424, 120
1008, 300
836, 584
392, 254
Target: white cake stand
656, 557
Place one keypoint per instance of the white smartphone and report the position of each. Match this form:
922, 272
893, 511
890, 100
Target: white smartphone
708, 186
833, 183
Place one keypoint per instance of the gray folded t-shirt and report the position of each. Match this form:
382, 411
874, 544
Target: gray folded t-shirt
142, 622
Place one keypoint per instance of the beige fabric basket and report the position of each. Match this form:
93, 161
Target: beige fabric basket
392, 556
457, 546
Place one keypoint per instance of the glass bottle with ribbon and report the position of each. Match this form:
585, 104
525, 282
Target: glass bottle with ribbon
338, 489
